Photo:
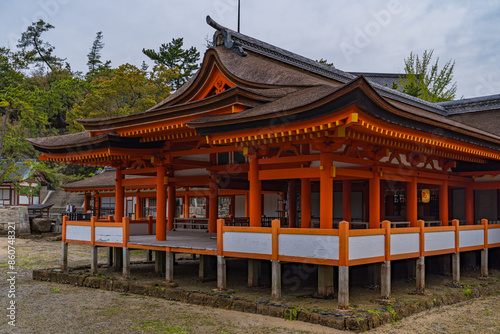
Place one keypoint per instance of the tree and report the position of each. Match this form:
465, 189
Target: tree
36, 50
174, 56
427, 81
325, 62
94, 57
128, 90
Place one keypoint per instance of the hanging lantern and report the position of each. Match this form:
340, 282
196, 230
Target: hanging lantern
426, 195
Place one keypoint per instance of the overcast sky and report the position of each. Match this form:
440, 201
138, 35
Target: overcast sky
361, 36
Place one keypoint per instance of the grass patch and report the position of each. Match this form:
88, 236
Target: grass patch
55, 290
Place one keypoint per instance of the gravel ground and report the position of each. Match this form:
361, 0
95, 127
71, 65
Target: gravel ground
44, 307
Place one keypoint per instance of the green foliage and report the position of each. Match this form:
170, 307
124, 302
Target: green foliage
128, 90
96, 66
325, 62
173, 56
40, 96
36, 50
427, 81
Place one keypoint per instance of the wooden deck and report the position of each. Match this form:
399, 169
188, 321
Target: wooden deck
178, 239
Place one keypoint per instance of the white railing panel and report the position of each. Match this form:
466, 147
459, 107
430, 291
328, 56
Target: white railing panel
493, 236
439, 240
405, 243
109, 234
247, 242
468, 238
366, 246
310, 246
78, 232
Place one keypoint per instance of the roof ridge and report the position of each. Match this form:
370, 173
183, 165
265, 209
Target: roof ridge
236, 41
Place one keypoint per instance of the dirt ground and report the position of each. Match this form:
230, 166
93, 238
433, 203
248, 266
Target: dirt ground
44, 307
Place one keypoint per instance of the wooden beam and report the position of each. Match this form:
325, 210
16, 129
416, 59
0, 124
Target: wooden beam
289, 173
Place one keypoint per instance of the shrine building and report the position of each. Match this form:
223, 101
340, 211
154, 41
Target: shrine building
276, 157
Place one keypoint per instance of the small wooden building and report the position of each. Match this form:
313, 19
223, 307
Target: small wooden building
350, 172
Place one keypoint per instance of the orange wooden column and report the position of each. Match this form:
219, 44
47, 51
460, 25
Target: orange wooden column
161, 200
119, 196
213, 203
292, 203
469, 204
255, 201
346, 200
171, 208
326, 191
186, 206
305, 203
374, 201
411, 201
443, 203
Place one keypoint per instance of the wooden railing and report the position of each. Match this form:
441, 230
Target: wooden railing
349, 247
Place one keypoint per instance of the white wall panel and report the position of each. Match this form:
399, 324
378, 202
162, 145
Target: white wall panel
109, 234
439, 240
494, 236
469, 238
243, 242
366, 246
77, 232
405, 243
312, 246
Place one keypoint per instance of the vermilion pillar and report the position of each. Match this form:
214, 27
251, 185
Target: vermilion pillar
161, 212
292, 203
213, 205
305, 203
171, 207
411, 201
119, 196
443, 203
326, 191
346, 200
255, 204
374, 201
186, 206
469, 204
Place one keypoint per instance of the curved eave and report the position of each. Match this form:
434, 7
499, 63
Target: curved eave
232, 96
359, 93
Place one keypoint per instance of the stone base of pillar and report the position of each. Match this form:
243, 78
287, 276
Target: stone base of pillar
276, 280
169, 267
64, 256
484, 262
385, 280
455, 259
420, 275
221, 273
126, 263
325, 281
343, 288
254, 272
93, 259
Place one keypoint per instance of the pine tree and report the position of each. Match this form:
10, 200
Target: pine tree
174, 56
